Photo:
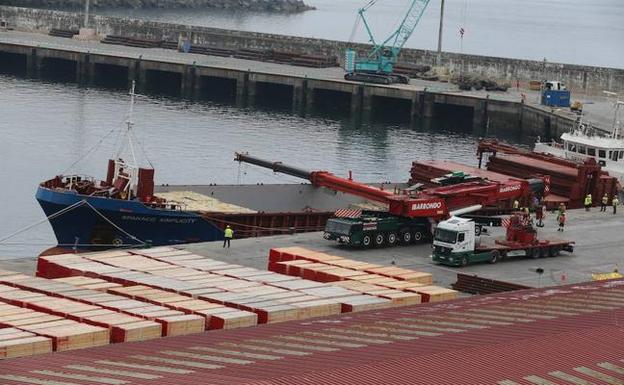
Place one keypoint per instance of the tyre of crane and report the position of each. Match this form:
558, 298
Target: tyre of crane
535, 253
367, 240
495, 257
554, 251
380, 240
392, 238
406, 237
464, 261
545, 252
418, 236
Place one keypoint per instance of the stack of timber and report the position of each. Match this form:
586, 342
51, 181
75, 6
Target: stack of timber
401, 286
216, 316
131, 41
147, 274
570, 180
273, 56
67, 33
128, 320
18, 343
64, 334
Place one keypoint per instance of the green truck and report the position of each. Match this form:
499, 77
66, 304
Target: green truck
377, 229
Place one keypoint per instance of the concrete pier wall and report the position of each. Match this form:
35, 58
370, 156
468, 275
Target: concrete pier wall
482, 115
579, 78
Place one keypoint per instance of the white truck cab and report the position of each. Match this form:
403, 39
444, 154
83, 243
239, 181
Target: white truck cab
454, 239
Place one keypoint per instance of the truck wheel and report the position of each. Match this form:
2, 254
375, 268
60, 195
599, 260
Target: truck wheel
418, 236
495, 257
367, 240
406, 237
534, 253
464, 261
392, 239
379, 240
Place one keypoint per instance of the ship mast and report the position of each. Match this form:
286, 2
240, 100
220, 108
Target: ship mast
130, 123
615, 129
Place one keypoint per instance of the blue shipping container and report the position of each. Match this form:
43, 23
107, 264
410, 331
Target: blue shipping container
556, 98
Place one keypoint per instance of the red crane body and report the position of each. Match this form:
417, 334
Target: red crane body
434, 203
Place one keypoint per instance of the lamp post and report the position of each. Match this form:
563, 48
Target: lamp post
86, 13
440, 33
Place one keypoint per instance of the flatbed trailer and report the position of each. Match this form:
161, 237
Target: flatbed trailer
456, 244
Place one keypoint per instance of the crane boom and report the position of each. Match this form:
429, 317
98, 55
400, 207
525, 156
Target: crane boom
431, 203
378, 65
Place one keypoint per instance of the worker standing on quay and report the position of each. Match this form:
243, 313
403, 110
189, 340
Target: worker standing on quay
604, 203
562, 220
615, 202
588, 202
228, 235
539, 215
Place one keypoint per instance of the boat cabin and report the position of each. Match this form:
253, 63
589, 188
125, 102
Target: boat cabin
602, 149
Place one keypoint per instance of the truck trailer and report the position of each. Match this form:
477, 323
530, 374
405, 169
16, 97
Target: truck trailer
455, 242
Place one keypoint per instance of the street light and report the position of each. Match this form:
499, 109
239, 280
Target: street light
86, 19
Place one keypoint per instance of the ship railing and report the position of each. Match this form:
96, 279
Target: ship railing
169, 206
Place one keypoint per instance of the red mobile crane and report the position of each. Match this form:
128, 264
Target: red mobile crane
410, 212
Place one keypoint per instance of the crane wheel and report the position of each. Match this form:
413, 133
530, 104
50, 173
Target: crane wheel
554, 251
391, 238
418, 236
367, 240
464, 262
535, 253
495, 257
379, 240
406, 237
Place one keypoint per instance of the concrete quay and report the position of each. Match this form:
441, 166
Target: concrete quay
598, 250
305, 90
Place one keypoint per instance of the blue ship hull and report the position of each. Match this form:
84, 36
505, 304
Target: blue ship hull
99, 222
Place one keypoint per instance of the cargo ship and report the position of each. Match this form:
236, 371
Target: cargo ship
124, 210
127, 209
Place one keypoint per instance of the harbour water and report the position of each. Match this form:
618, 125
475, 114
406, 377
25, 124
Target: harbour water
47, 126
565, 31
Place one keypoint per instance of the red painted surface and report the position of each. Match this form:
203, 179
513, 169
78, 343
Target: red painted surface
476, 356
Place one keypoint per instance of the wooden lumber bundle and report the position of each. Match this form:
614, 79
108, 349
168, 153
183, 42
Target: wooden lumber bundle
394, 283
18, 343
150, 320
217, 316
65, 334
123, 327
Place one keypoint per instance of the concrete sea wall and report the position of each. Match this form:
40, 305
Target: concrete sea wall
587, 79
255, 5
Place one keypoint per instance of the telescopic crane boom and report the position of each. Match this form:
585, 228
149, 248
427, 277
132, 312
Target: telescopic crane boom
378, 65
436, 203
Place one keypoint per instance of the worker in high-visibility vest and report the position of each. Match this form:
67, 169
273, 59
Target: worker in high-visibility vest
228, 234
615, 202
604, 203
562, 220
588, 202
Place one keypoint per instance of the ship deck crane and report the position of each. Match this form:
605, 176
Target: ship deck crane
378, 65
409, 213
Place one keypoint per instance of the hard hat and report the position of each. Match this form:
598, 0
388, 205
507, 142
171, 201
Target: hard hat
228, 226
